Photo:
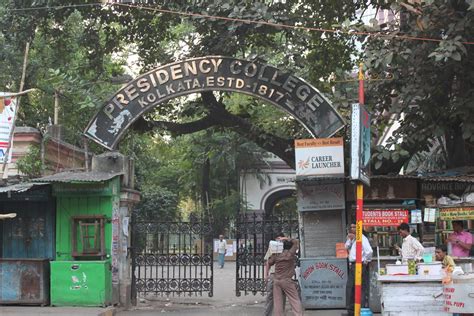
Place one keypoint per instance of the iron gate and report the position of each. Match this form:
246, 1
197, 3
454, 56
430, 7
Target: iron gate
253, 233
171, 257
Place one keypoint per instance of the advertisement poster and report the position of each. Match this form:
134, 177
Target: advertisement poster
416, 217
319, 157
456, 213
7, 116
384, 217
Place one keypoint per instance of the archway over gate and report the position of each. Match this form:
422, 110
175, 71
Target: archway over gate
267, 184
213, 73
206, 74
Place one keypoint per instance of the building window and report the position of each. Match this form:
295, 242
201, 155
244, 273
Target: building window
88, 238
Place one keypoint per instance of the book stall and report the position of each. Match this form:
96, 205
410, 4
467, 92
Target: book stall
429, 288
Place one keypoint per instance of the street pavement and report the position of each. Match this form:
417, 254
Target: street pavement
55, 311
223, 302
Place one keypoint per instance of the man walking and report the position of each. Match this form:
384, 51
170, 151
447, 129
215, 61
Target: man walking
366, 258
285, 264
221, 248
269, 271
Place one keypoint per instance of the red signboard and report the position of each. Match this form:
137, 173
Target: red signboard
384, 217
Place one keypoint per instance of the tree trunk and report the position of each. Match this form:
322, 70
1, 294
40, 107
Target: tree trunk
206, 185
458, 156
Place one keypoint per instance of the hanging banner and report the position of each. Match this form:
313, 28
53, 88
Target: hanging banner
7, 116
324, 196
323, 157
360, 144
384, 217
416, 217
456, 213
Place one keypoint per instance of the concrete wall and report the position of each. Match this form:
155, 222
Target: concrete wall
115, 162
57, 155
255, 189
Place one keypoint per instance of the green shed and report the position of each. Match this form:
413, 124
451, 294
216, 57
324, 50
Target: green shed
87, 205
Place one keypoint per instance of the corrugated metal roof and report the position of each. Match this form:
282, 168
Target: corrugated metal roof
464, 178
20, 187
462, 174
428, 177
79, 177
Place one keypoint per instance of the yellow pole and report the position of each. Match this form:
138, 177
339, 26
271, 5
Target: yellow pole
358, 267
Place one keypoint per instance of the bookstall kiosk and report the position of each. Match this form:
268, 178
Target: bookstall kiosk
389, 201
443, 200
402, 293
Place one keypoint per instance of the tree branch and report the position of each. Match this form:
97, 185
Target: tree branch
283, 148
142, 125
219, 116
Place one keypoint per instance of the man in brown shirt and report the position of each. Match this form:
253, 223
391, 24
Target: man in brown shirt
285, 263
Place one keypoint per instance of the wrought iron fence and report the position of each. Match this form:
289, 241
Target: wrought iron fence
254, 232
171, 257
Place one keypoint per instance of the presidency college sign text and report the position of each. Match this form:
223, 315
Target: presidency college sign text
213, 73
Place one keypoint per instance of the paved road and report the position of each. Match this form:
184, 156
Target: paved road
224, 301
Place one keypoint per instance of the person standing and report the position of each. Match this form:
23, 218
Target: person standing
366, 258
441, 254
411, 247
461, 241
285, 264
221, 248
268, 272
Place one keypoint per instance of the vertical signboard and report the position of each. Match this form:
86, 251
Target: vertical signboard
360, 144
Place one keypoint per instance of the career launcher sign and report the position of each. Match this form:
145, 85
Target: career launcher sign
322, 157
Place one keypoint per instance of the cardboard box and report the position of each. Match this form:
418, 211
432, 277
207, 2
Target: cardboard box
341, 251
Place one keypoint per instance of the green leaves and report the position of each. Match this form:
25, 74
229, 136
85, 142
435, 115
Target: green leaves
449, 49
31, 164
427, 102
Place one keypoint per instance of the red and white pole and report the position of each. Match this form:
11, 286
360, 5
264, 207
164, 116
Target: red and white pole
360, 205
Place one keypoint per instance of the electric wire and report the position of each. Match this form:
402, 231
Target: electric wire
248, 21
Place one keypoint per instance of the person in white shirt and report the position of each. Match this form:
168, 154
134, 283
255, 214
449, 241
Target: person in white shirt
411, 247
221, 248
366, 258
